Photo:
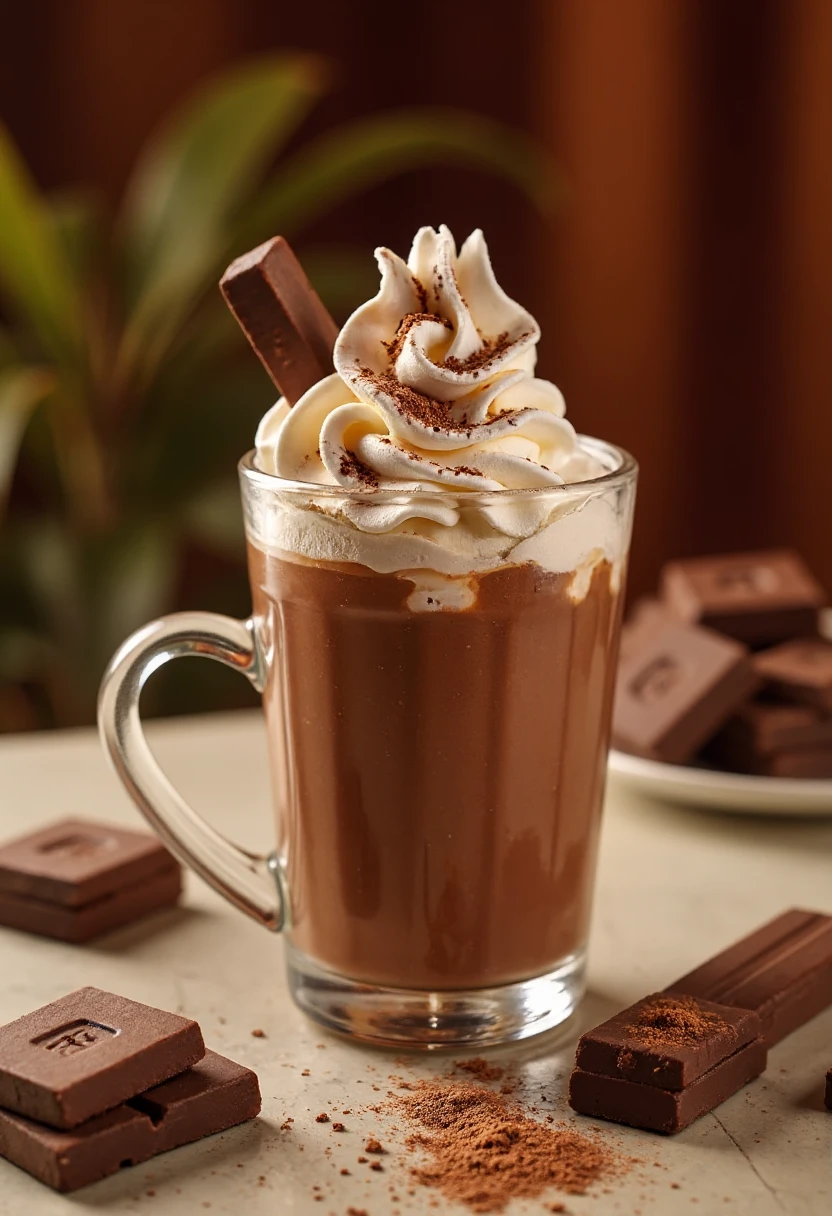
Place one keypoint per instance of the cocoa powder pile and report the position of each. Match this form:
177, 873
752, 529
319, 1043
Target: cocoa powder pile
678, 1022
483, 1150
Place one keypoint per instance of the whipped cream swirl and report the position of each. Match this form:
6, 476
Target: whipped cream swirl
434, 394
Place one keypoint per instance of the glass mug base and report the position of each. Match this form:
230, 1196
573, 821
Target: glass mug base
420, 1020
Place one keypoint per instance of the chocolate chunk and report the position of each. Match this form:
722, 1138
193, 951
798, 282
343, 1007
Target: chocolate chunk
758, 598
76, 861
764, 728
809, 763
161, 890
664, 1110
89, 1051
782, 971
799, 671
213, 1095
282, 316
666, 1041
676, 685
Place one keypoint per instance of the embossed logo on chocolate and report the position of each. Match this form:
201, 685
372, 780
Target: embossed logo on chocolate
76, 1036
656, 679
746, 580
79, 844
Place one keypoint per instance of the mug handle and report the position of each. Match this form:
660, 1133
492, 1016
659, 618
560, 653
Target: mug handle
249, 880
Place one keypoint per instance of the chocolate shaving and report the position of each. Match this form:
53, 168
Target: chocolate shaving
395, 345
421, 292
351, 466
491, 348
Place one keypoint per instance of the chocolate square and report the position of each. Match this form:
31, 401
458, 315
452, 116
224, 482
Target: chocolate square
89, 1051
676, 686
75, 861
213, 1095
757, 598
799, 671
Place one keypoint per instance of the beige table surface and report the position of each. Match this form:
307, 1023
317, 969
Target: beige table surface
674, 886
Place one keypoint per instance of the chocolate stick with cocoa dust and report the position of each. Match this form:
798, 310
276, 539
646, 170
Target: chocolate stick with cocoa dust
282, 316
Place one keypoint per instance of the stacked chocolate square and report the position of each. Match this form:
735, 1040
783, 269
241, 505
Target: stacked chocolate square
677, 1054
78, 879
728, 664
95, 1082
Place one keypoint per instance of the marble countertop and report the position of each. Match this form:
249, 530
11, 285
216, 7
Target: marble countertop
674, 886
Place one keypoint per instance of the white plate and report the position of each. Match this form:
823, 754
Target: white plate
720, 791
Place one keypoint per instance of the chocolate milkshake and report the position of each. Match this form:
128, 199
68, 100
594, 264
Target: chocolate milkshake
437, 564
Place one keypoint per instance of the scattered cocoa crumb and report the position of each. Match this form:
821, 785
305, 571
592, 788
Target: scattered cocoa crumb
363, 1160
344, 1170
483, 1150
338, 1127
356, 1212
346, 1112
258, 1034
373, 1146
377, 1166
150, 1193
481, 1069
305, 1072
322, 1117
674, 1186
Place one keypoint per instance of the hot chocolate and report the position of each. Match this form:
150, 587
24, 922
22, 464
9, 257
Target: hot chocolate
438, 775
436, 564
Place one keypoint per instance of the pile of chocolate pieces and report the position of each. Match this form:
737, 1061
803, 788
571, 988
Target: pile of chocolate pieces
727, 666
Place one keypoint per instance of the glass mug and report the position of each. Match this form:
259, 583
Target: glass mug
437, 746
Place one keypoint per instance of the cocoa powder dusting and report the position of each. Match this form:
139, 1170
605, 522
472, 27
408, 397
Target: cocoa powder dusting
677, 1021
482, 1149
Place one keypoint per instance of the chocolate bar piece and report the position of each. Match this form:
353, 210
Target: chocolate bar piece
282, 316
665, 1110
782, 971
828, 1098
666, 1041
799, 671
213, 1095
89, 1051
763, 728
77, 925
676, 686
76, 861
807, 763
757, 598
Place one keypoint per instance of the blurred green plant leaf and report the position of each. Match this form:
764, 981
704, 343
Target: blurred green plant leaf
133, 581
343, 276
35, 278
78, 222
214, 520
8, 351
21, 390
357, 155
189, 184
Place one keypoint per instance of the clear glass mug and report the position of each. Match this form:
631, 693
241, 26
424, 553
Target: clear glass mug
437, 745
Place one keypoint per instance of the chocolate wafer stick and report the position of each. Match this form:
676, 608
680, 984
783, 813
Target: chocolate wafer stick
782, 971
282, 316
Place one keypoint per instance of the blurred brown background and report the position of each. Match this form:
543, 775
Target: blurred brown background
684, 283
